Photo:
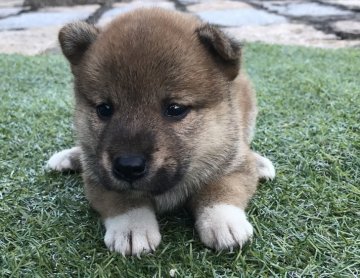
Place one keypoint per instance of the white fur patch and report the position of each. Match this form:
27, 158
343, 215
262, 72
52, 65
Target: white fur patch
61, 161
133, 233
265, 167
223, 226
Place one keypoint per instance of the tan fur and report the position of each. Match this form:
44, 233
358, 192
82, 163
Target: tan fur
233, 189
137, 63
109, 203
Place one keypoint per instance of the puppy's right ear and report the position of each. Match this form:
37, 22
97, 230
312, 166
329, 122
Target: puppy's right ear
75, 38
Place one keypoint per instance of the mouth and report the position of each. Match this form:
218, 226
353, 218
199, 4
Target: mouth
151, 188
154, 185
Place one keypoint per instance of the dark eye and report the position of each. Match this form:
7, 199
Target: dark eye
176, 111
104, 111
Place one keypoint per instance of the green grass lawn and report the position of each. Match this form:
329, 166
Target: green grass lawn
307, 221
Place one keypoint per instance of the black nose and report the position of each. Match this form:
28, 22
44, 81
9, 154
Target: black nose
129, 167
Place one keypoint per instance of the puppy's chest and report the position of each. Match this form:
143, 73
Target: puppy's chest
176, 197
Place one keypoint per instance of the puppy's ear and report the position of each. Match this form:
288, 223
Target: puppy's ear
225, 51
75, 38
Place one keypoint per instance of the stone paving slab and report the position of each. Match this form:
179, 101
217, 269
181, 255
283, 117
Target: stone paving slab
120, 8
47, 17
11, 3
303, 9
217, 5
291, 34
352, 4
29, 42
293, 22
240, 17
9, 11
347, 26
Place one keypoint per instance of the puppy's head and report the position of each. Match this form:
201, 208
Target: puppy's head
153, 102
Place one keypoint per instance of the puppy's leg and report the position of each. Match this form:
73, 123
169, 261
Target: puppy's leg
65, 160
219, 210
130, 222
266, 170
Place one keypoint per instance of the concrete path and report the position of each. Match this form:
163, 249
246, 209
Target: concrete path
316, 23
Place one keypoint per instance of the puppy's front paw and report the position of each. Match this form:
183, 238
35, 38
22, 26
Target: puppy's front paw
265, 167
133, 233
65, 160
223, 226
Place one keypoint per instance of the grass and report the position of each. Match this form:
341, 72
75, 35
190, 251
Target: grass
306, 221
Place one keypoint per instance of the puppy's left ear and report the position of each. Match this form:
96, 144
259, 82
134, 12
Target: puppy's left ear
225, 51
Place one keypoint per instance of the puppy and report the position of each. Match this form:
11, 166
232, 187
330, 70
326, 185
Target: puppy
164, 116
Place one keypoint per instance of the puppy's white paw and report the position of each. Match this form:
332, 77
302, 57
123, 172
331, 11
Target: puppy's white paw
265, 167
223, 226
65, 160
133, 233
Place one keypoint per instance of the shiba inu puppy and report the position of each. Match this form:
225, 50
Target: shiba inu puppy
164, 116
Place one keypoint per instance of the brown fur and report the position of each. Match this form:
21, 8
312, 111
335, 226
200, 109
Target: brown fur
139, 63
